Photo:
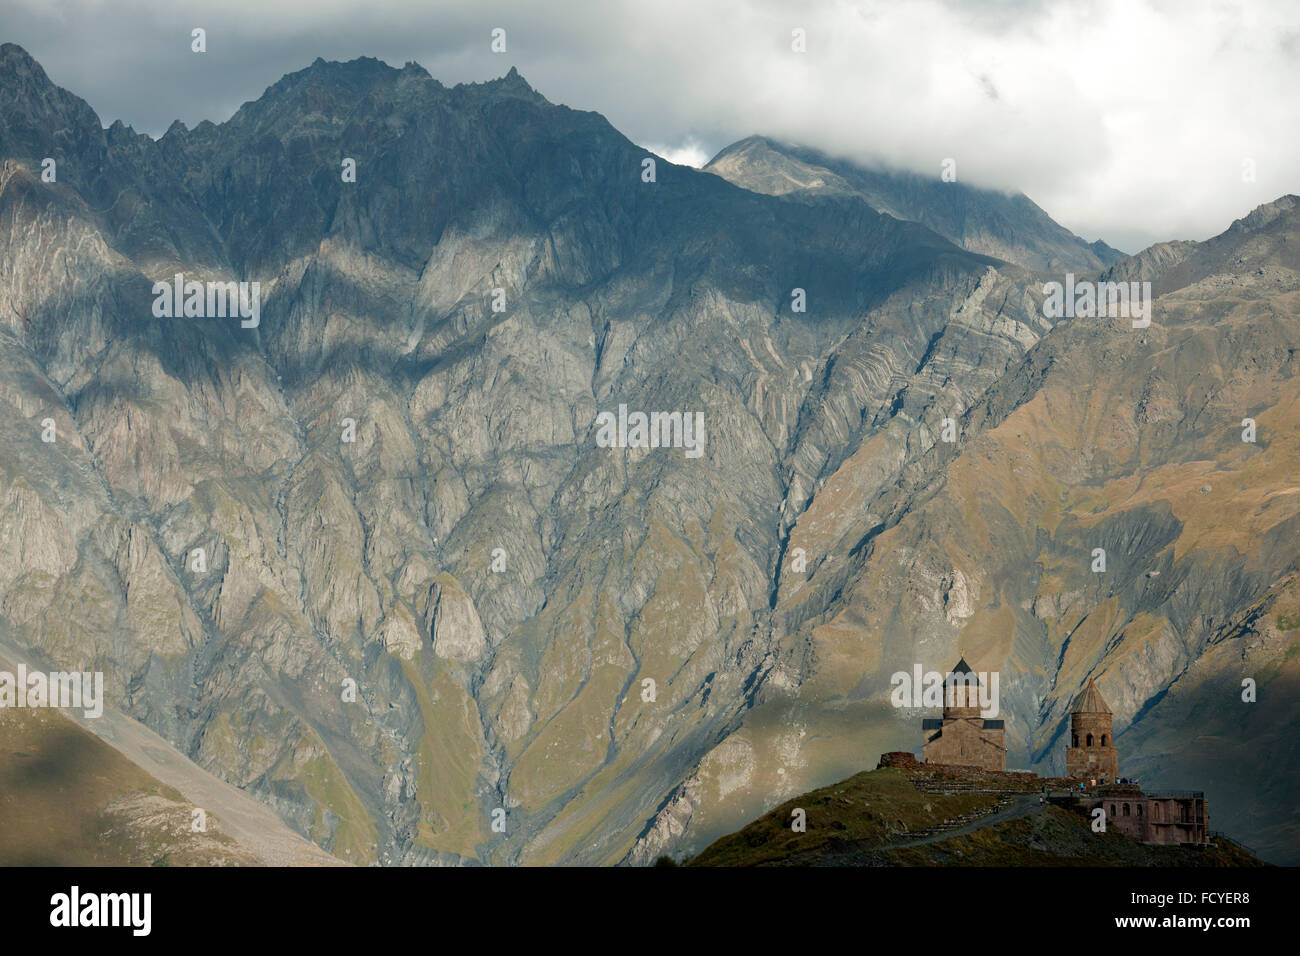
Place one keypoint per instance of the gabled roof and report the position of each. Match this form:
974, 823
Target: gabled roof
1090, 701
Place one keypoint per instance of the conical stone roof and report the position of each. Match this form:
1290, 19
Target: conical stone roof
1090, 701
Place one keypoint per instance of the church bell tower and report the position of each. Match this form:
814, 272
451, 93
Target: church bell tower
1091, 754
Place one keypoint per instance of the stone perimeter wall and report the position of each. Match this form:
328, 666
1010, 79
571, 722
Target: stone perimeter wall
1166, 827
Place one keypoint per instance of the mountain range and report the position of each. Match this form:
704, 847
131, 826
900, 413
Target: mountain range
567, 653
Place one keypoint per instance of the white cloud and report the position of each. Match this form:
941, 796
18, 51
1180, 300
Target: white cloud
1127, 120
690, 152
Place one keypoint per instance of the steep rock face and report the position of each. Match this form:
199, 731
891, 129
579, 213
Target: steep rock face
368, 561
1010, 227
389, 482
1102, 437
457, 630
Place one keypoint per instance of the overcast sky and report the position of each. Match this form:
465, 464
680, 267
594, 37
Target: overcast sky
1127, 120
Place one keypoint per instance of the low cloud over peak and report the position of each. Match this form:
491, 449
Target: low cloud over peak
1129, 121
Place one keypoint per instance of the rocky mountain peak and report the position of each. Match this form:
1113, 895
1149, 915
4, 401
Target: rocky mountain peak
987, 221
1261, 216
16, 63
512, 84
38, 118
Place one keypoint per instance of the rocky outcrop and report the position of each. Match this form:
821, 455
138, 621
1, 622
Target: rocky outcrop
457, 631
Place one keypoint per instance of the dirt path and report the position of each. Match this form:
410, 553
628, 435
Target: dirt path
1023, 805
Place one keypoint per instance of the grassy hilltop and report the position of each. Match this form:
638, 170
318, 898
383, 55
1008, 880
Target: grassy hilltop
871, 818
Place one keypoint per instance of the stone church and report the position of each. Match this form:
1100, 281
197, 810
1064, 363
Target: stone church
962, 737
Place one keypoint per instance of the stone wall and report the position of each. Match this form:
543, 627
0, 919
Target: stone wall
1167, 820
963, 743
1098, 759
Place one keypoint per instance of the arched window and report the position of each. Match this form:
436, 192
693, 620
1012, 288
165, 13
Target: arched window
1075, 739
1112, 809
1090, 740
1126, 809
1139, 809
1155, 811
1104, 742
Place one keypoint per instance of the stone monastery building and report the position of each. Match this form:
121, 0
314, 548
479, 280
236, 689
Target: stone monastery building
962, 738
